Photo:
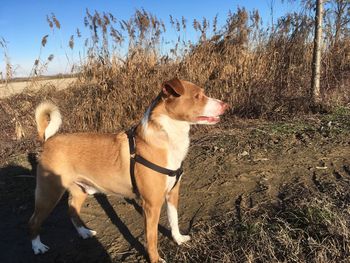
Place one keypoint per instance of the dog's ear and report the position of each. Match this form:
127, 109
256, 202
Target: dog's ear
173, 88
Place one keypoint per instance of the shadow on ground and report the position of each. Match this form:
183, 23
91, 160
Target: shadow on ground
17, 187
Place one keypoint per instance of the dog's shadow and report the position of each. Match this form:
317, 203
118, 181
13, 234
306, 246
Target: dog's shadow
124, 230
17, 187
163, 230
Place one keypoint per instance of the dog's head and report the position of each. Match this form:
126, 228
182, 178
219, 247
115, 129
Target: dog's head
186, 101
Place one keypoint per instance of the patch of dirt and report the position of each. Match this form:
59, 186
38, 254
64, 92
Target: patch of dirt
244, 164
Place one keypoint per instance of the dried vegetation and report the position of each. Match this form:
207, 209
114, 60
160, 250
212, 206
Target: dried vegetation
261, 71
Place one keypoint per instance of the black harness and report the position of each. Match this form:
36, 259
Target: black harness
137, 158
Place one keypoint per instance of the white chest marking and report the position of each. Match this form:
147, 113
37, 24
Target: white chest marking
179, 141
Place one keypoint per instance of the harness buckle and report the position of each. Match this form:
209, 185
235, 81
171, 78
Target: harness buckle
173, 174
177, 173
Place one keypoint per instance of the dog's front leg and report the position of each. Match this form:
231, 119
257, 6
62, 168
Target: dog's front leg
172, 204
151, 215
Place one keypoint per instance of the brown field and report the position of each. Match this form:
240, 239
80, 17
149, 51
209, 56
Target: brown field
270, 183
13, 88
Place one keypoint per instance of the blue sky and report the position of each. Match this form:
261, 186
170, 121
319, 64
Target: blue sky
23, 23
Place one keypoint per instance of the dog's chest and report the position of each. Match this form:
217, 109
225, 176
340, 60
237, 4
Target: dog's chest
178, 147
177, 144
177, 152
178, 141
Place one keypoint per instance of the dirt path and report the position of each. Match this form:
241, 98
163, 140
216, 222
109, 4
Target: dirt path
223, 165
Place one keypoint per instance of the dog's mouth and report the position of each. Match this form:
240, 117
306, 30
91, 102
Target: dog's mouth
208, 119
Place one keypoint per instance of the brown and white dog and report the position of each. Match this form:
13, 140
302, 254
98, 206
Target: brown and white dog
87, 163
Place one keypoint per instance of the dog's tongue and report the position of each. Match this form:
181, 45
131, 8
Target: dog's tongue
208, 119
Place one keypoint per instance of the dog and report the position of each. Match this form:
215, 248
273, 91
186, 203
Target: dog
89, 163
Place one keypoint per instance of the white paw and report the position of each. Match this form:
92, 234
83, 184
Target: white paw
180, 239
38, 247
85, 232
161, 260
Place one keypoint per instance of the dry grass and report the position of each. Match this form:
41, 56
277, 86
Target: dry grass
302, 226
259, 72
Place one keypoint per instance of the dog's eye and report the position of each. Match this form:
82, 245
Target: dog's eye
197, 96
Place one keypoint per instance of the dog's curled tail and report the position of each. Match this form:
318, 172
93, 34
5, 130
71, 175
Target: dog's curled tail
48, 120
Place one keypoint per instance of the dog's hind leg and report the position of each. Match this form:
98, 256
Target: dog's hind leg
48, 192
172, 200
77, 199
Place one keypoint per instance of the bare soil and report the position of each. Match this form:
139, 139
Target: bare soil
249, 160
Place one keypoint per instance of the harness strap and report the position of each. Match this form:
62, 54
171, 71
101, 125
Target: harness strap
130, 133
138, 158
